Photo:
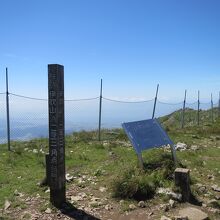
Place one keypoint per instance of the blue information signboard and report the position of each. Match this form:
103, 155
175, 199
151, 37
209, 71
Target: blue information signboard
147, 134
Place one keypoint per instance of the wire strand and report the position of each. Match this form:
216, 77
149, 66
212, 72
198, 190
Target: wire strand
205, 103
121, 101
112, 100
76, 100
191, 103
27, 97
167, 103
39, 99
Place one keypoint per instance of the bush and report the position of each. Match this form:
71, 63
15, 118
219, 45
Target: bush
135, 184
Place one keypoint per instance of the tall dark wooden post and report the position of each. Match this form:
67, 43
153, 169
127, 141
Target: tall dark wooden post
56, 135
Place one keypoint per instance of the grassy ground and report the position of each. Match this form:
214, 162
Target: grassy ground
113, 162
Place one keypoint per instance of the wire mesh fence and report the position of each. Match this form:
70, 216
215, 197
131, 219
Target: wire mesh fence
3, 124
114, 112
81, 114
29, 116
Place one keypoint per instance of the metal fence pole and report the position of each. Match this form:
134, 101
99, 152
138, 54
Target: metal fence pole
198, 110
100, 111
183, 111
7, 112
155, 101
219, 105
212, 115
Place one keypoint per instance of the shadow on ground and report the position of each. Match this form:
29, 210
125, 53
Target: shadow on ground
194, 200
69, 210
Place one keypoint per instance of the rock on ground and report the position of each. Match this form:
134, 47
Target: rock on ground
7, 205
193, 213
181, 146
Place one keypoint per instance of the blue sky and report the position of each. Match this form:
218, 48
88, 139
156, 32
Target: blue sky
131, 44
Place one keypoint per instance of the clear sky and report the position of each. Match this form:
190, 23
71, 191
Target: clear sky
131, 44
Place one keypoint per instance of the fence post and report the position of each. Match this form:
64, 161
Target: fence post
155, 101
183, 111
219, 105
198, 109
100, 111
212, 116
7, 111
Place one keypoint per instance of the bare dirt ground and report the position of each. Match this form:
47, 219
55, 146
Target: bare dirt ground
86, 203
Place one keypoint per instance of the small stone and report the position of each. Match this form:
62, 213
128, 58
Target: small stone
164, 191
213, 203
151, 213
194, 147
108, 207
181, 146
35, 151
121, 202
105, 143
165, 208
59, 215
95, 199
16, 193
43, 182
84, 177
47, 190
211, 177
181, 218
217, 197
7, 205
42, 151
111, 153
83, 195
69, 178
27, 199
76, 198
214, 210
48, 211
102, 189
141, 204
172, 203
37, 195
176, 196
215, 188
165, 218
132, 207
169, 192
201, 188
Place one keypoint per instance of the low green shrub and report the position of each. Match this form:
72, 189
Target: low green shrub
135, 184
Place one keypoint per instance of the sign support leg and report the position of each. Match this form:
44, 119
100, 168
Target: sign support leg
140, 159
